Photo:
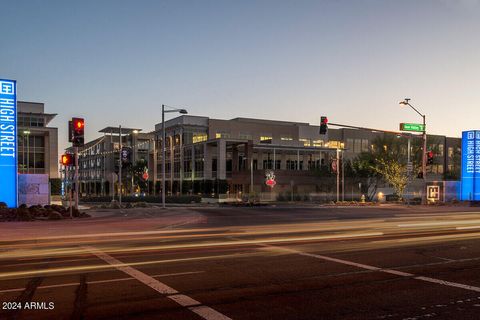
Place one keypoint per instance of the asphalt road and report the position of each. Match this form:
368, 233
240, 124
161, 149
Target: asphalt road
246, 263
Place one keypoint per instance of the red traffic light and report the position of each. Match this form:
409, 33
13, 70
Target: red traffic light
67, 159
324, 120
78, 125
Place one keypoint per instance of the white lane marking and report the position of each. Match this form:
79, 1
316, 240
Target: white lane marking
373, 268
448, 283
70, 284
185, 301
207, 312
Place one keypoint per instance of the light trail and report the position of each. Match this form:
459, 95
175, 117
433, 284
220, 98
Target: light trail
99, 267
56, 252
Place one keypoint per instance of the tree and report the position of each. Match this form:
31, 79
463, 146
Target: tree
137, 171
394, 173
388, 150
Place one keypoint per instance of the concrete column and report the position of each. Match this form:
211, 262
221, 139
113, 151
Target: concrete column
221, 159
283, 164
260, 160
171, 162
181, 162
235, 162
207, 163
193, 169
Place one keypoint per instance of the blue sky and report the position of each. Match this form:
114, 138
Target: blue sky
116, 62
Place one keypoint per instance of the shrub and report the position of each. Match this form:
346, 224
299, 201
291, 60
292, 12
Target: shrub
54, 215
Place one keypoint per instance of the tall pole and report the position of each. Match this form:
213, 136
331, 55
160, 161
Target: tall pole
251, 174
120, 165
424, 162
424, 150
154, 165
163, 156
343, 178
77, 186
409, 147
28, 152
338, 175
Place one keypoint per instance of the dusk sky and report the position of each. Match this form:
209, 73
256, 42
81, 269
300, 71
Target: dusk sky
116, 62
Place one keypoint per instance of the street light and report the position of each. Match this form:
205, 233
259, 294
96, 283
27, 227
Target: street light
181, 111
27, 135
133, 135
406, 102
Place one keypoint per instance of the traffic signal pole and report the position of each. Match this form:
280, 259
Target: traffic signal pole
76, 177
120, 166
424, 162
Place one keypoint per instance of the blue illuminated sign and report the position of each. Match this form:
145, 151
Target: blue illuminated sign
8, 143
470, 184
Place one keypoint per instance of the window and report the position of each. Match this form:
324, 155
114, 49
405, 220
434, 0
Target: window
357, 148
266, 139
214, 165
334, 144
349, 145
450, 152
219, 135
199, 137
245, 136
440, 150
286, 138
305, 142
318, 143
364, 145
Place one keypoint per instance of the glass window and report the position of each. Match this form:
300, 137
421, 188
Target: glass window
219, 135
440, 150
334, 144
364, 145
358, 146
245, 136
349, 145
450, 152
318, 143
306, 142
199, 137
286, 138
266, 139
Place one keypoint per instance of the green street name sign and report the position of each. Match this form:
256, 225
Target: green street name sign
416, 127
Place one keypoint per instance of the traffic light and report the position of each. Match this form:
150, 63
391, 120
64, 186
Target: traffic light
78, 136
67, 160
323, 125
70, 131
430, 157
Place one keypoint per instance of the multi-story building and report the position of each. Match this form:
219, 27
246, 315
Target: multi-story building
37, 142
99, 159
205, 155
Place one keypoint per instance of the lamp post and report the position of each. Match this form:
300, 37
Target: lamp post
406, 102
134, 141
27, 135
181, 111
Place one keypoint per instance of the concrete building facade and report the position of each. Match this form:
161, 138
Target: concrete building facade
37, 142
203, 154
99, 160
233, 157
